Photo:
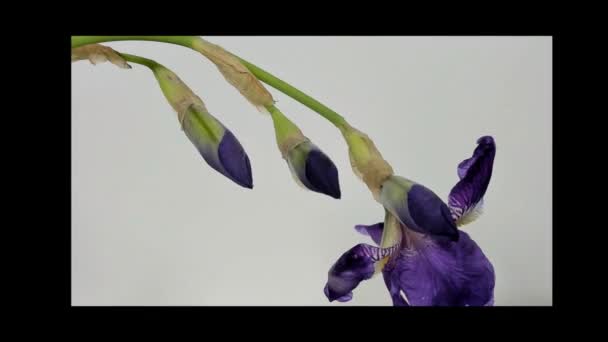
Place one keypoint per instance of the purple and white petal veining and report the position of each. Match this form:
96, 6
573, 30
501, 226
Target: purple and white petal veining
354, 266
475, 173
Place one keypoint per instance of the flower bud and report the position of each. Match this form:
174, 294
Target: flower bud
216, 144
417, 207
313, 169
309, 166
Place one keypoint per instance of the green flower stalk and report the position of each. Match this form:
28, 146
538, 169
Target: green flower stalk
231, 67
366, 160
423, 256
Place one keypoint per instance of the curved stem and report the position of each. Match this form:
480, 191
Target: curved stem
186, 41
295, 94
139, 60
264, 76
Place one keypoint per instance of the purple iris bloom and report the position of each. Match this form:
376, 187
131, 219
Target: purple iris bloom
430, 262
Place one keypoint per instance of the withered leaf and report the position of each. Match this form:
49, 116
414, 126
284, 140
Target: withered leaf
236, 73
97, 53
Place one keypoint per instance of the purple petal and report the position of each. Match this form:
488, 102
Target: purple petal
474, 174
395, 291
235, 161
417, 207
429, 213
464, 166
374, 231
322, 174
347, 297
354, 266
436, 273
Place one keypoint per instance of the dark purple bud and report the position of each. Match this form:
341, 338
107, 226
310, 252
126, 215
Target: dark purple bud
314, 170
218, 146
235, 161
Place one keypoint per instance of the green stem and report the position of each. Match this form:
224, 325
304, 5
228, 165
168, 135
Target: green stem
262, 75
186, 41
283, 127
139, 60
295, 94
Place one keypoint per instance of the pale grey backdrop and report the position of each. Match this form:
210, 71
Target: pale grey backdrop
152, 224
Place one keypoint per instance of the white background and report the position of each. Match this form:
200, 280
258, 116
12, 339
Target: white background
152, 224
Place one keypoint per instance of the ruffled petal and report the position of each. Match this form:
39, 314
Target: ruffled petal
441, 273
354, 266
466, 198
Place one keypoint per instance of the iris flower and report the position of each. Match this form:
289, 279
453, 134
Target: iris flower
424, 258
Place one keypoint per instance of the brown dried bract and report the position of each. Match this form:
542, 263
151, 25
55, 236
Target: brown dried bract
235, 73
373, 170
290, 143
97, 53
177, 93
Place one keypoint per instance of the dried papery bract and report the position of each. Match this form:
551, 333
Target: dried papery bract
235, 73
96, 53
177, 93
365, 159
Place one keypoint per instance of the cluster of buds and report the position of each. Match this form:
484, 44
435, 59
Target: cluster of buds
309, 166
